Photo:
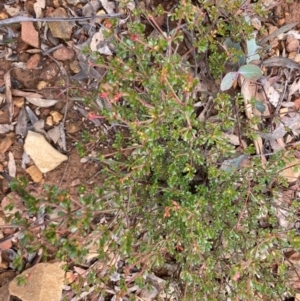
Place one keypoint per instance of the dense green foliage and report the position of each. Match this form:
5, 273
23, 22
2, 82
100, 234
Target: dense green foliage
172, 189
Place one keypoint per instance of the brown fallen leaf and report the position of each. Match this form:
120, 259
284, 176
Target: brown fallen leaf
12, 169
5, 144
22, 123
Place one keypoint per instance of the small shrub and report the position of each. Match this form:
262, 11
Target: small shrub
175, 191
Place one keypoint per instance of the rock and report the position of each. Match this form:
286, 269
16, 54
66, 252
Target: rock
44, 283
4, 282
62, 30
41, 85
75, 66
297, 58
57, 117
292, 44
29, 35
54, 134
50, 71
33, 61
45, 157
35, 174
63, 54
73, 127
49, 121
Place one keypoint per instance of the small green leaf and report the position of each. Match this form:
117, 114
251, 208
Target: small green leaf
252, 49
250, 71
260, 106
295, 242
228, 80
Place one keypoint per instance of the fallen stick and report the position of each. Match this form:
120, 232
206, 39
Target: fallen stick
19, 19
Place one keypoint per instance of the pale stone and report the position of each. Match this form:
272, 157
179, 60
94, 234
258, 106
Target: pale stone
292, 44
57, 117
41, 85
75, 66
29, 35
62, 30
44, 283
63, 54
33, 61
45, 157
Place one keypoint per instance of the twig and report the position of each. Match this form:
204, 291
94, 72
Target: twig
244, 207
19, 19
283, 93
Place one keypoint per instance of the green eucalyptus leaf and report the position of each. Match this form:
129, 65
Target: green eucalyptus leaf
228, 80
252, 49
250, 71
231, 165
260, 106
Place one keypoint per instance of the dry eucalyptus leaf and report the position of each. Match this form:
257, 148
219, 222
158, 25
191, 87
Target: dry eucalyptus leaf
38, 6
273, 96
62, 139
40, 102
54, 134
25, 160
2, 98
294, 33
12, 169
5, 128
45, 157
97, 38
12, 10
32, 117
291, 122
293, 88
291, 171
16, 92
105, 50
109, 6
22, 122
277, 32
5, 144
